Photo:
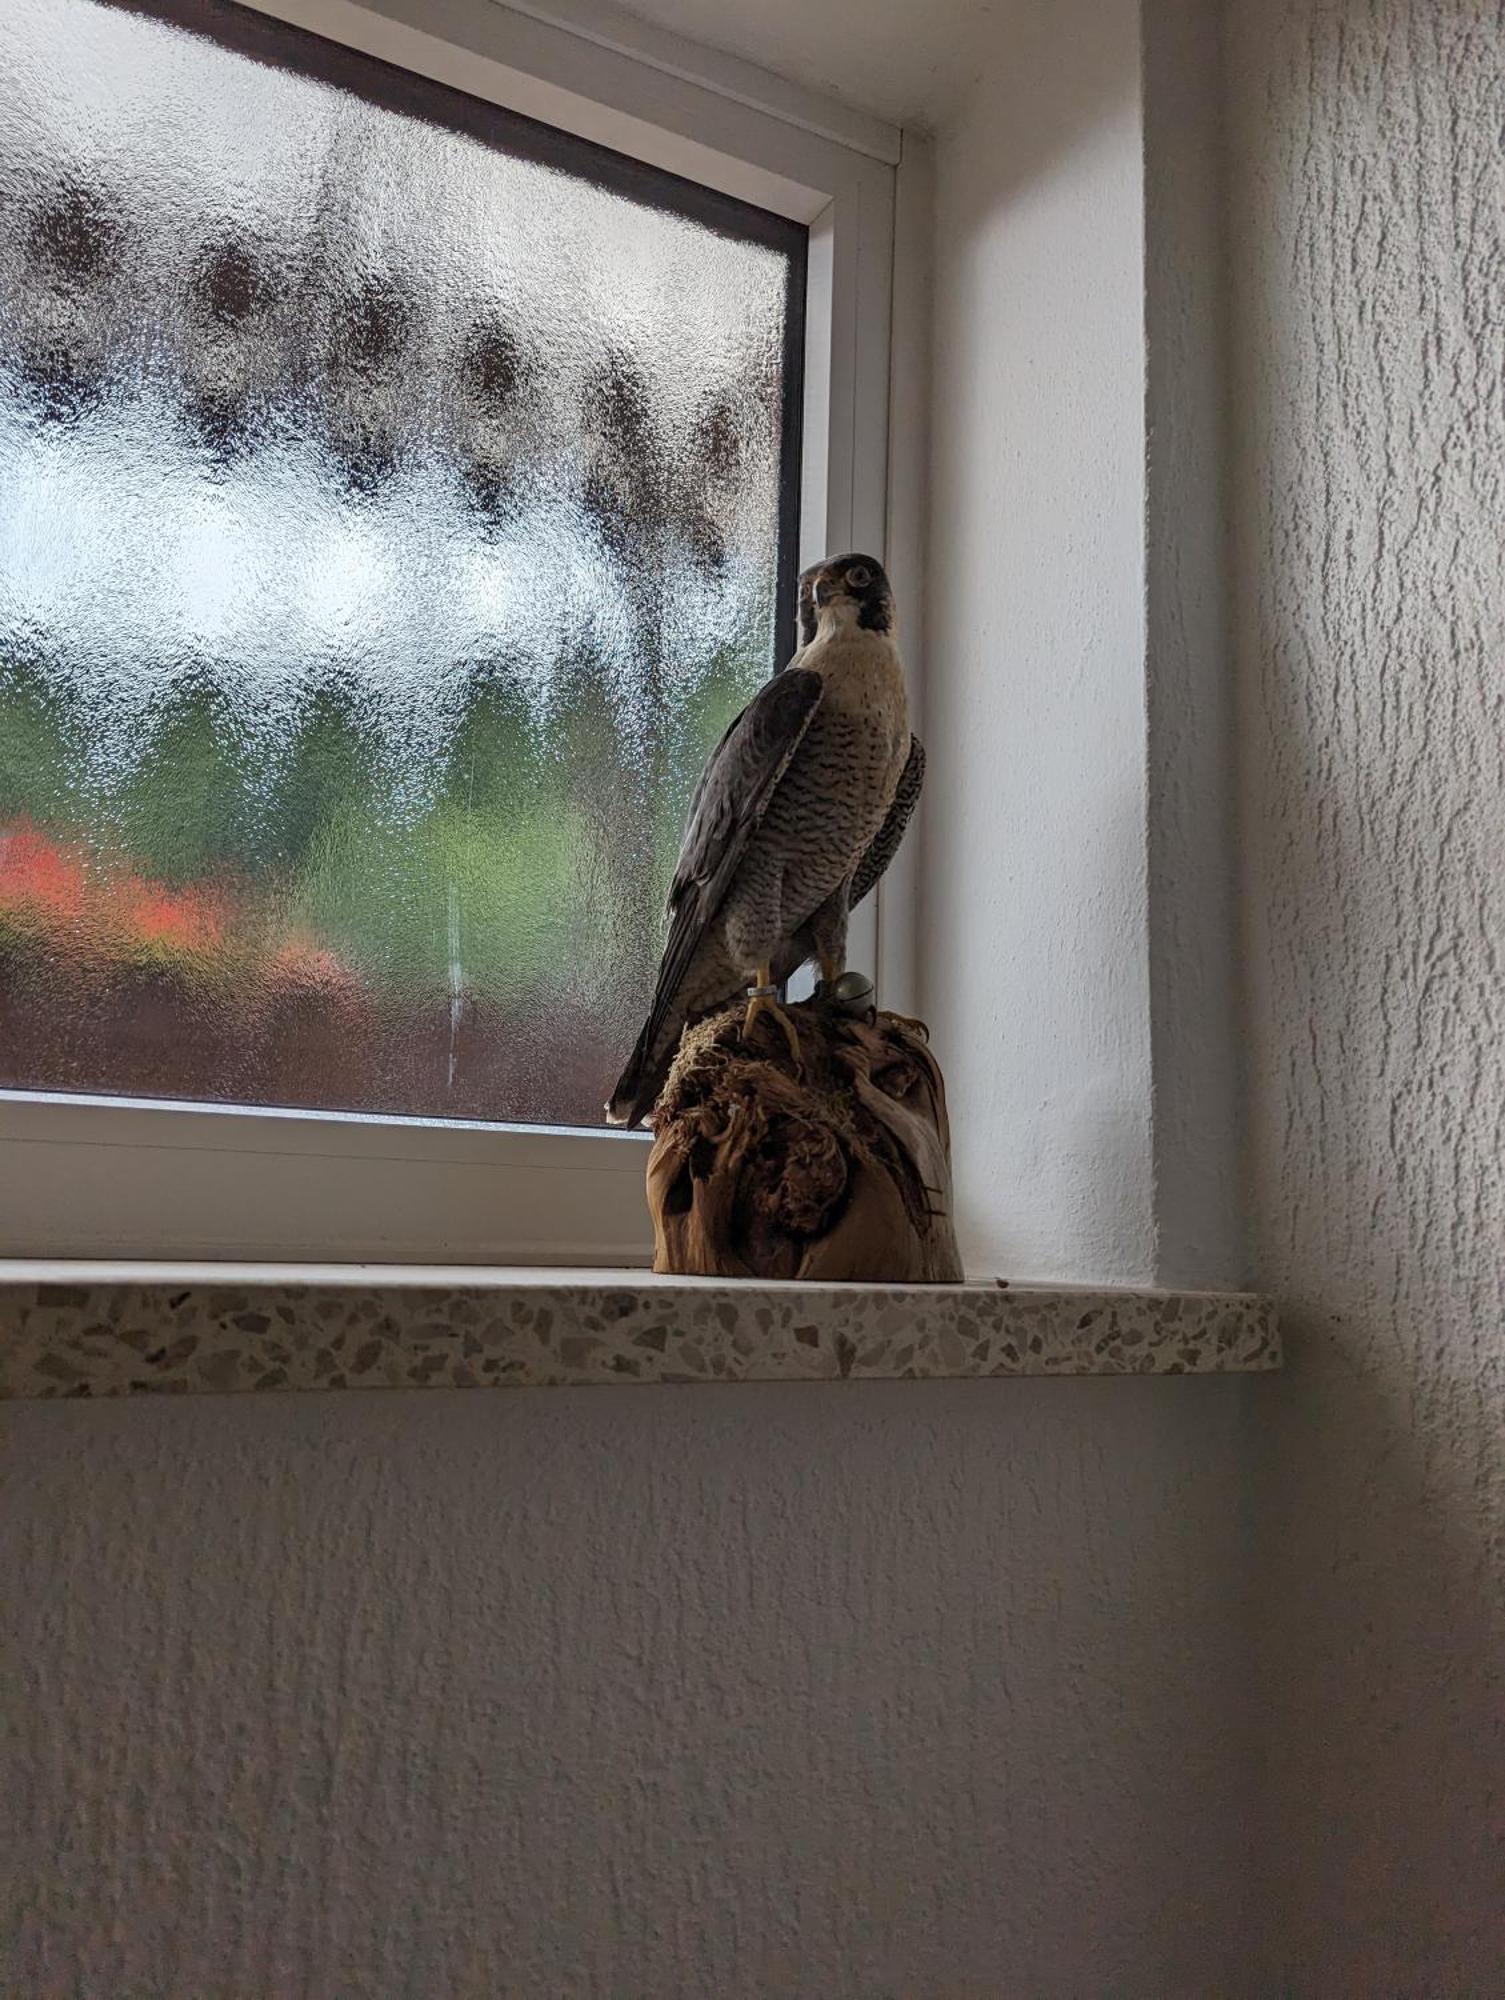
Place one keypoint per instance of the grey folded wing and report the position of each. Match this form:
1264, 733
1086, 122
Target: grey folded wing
885, 841
740, 778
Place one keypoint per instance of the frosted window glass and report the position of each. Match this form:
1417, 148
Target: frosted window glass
390, 521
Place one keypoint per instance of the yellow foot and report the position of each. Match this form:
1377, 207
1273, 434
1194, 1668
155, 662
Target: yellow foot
763, 1002
830, 972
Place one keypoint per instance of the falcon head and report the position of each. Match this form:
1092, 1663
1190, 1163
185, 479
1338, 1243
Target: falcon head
849, 590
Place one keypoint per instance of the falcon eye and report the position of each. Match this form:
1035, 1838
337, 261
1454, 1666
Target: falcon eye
859, 578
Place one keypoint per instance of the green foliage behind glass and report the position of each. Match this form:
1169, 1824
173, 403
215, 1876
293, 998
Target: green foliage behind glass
541, 852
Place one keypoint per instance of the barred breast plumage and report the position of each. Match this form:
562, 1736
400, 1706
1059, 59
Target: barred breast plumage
830, 802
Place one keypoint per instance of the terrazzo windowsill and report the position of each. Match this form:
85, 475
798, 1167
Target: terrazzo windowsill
96, 1329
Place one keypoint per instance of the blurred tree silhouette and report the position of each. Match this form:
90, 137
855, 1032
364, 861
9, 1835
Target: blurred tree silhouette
653, 499
36, 759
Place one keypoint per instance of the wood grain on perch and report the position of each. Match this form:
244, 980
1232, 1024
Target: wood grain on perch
839, 1168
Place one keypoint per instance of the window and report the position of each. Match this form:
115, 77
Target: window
398, 494
394, 497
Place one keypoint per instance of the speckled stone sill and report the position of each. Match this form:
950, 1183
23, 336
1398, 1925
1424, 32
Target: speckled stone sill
140, 1329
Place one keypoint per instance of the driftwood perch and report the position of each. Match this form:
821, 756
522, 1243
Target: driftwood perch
841, 1169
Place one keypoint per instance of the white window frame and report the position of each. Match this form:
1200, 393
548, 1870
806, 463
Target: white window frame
101, 1177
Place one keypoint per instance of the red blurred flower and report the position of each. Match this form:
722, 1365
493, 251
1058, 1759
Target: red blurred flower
40, 872
113, 914
183, 920
308, 967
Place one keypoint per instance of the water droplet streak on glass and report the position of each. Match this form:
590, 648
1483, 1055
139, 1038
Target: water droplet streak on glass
388, 528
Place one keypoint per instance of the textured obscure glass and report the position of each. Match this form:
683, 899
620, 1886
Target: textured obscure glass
388, 527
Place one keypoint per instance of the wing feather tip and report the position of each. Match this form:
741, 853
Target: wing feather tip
625, 1105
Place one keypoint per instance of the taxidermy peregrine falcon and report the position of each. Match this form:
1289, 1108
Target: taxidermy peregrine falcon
799, 810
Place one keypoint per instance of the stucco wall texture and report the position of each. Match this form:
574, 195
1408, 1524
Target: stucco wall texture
824, 1691
1368, 251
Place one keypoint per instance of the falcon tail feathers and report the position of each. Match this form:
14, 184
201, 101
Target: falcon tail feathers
728, 807
640, 1083
682, 991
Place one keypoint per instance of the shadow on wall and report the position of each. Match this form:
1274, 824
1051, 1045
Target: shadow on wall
1368, 192
1050, 74
817, 1689
1382, 1643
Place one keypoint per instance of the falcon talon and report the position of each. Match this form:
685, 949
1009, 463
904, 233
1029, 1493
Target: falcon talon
763, 999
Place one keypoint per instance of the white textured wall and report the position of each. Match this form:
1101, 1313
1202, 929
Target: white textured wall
1369, 258
920, 1688
1034, 942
